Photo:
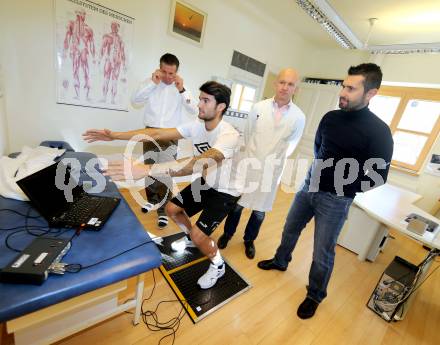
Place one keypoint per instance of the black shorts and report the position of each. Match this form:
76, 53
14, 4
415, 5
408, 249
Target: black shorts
214, 205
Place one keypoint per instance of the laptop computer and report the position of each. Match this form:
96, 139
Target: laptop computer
84, 211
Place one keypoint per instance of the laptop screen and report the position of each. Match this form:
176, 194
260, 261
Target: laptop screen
42, 191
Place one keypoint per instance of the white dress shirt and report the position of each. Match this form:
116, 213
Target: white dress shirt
165, 107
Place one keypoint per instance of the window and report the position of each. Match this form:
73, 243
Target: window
413, 115
242, 97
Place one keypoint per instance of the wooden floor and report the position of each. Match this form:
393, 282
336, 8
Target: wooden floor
266, 314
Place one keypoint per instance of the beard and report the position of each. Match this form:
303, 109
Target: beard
347, 105
207, 116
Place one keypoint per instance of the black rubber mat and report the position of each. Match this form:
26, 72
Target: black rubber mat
205, 301
182, 270
172, 259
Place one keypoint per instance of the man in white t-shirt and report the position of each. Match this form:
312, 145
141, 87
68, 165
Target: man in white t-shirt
215, 194
166, 104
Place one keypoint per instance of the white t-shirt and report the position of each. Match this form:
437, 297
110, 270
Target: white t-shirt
223, 177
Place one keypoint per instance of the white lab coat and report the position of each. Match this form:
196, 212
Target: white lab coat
165, 107
266, 141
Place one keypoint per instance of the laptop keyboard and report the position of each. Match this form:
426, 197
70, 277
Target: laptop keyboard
81, 211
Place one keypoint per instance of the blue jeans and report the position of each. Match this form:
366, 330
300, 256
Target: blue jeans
330, 212
252, 228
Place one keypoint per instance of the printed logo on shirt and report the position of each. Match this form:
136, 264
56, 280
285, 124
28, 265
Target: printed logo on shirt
202, 147
188, 101
203, 224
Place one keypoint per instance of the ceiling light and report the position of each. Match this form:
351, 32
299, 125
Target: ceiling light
405, 48
326, 23
328, 18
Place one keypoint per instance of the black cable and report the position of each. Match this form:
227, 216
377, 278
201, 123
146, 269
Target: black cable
25, 228
401, 305
19, 213
431, 255
146, 298
172, 324
26, 222
402, 310
76, 233
7, 241
408, 293
424, 280
419, 266
75, 268
33, 230
152, 290
8, 237
27, 216
46, 230
22, 227
157, 326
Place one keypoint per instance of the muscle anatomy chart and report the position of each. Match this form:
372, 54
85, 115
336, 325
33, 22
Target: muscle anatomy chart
92, 47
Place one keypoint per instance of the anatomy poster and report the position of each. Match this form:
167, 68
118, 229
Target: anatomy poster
93, 45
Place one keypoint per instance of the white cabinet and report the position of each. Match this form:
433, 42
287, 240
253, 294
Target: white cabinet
315, 100
363, 235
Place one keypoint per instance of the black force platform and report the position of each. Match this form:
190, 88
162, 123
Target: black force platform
182, 270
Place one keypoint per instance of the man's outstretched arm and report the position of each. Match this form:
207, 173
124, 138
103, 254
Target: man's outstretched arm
145, 134
123, 170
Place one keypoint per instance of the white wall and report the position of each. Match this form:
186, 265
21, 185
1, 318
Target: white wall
332, 63
27, 42
410, 68
3, 129
414, 68
3, 125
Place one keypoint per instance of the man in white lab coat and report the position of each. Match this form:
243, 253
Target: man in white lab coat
273, 130
166, 101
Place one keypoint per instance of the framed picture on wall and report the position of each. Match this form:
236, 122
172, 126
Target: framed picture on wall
187, 22
93, 48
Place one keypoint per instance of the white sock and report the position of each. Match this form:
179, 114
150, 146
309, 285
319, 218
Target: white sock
217, 260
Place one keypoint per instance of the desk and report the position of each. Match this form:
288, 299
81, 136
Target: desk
71, 291
372, 212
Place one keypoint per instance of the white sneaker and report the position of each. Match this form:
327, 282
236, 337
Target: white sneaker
182, 243
211, 276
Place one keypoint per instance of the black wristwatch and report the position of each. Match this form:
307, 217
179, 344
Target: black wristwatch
183, 90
